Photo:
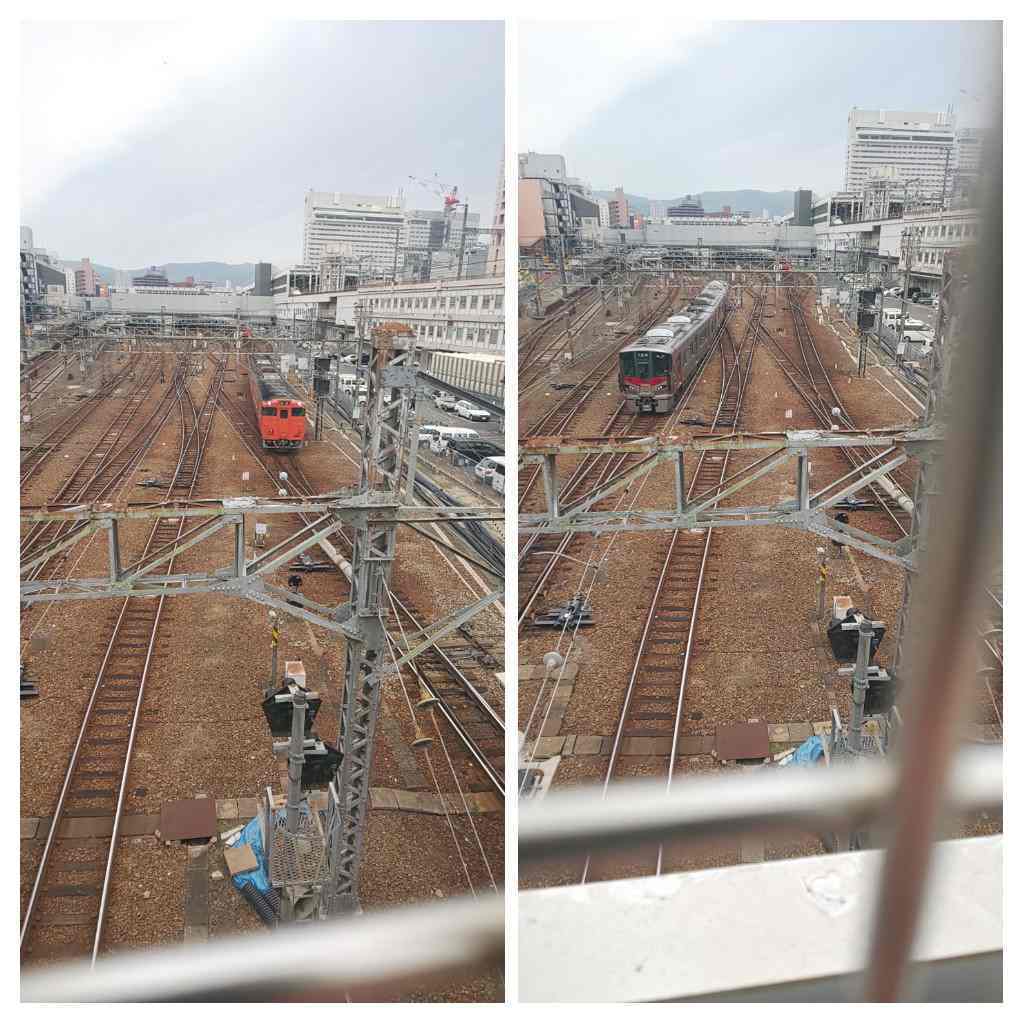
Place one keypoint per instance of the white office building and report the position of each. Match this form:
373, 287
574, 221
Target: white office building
371, 228
906, 146
453, 316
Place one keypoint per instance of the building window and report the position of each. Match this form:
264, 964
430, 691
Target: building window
498, 302
485, 302
462, 302
473, 302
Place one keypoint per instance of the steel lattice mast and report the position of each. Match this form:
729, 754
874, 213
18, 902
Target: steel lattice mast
388, 469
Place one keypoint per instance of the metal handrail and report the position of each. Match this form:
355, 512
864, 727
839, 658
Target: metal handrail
353, 957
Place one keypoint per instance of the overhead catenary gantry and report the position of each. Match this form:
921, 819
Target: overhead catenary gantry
806, 510
373, 512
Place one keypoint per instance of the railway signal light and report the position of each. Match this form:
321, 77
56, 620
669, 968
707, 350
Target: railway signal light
321, 763
279, 714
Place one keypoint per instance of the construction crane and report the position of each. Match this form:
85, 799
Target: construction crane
449, 193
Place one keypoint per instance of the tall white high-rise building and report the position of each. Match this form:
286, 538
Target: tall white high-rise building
372, 228
901, 145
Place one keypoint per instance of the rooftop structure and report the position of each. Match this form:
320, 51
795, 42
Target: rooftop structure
691, 206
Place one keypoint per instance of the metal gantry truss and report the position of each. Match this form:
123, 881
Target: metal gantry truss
373, 512
807, 510
391, 390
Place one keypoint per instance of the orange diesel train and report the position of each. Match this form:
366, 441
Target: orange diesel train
282, 419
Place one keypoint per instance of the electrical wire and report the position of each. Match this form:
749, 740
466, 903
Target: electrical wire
444, 746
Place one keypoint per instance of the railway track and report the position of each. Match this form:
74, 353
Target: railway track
40, 374
51, 442
454, 677
814, 384
539, 561
71, 891
652, 709
535, 360
557, 418
115, 454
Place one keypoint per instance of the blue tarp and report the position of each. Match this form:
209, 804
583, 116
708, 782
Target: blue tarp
809, 751
250, 836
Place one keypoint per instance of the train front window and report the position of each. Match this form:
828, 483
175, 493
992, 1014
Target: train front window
646, 365
268, 410
284, 414
299, 412
636, 364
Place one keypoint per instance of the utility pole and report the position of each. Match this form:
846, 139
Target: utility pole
462, 239
561, 264
275, 637
908, 237
822, 582
387, 471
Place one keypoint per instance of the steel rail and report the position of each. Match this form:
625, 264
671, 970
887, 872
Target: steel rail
534, 362
195, 433
58, 815
75, 491
806, 342
822, 412
30, 394
49, 443
582, 391
611, 466
728, 378
298, 481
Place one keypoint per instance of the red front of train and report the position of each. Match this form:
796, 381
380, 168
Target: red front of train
281, 418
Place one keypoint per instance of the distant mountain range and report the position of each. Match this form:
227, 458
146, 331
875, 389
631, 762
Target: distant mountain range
778, 204
239, 274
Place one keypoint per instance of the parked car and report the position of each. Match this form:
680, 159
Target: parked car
445, 401
925, 298
486, 468
468, 411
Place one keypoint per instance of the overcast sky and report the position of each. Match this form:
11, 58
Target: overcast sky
205, 136
669, 108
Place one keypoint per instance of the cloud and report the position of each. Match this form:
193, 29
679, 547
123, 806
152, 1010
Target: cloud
568, 71
213, 160
87, 88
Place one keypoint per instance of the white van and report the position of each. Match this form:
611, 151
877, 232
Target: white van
428, 432
350, 384
485, 468
439, 443
891, 317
